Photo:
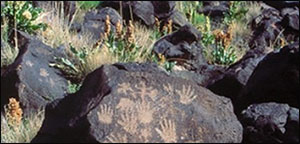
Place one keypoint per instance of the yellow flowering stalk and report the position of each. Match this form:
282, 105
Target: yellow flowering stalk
107, 27
157, 23
162, 59
169, 25
13, 112
119, 29
130, 33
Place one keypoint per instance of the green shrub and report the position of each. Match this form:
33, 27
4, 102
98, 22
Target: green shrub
86, 5
22, 14
236, 12
223, 56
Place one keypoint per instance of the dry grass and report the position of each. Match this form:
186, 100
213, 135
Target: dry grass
23, 133
142, 37
8, 52
58, 33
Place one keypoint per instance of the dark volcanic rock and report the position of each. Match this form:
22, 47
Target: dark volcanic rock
179, 44
132, 103
30, 79
270, 123
234, 79
266, 28
146, 11
94, 21
214, 8
275, 79
282, 4
69, 7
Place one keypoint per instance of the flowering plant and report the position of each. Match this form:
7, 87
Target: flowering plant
21, 15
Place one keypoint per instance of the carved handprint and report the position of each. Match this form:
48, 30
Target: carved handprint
124, 88
129, 122
125, 104
105, 114
168, 131
186, 95
145, 112
118, 138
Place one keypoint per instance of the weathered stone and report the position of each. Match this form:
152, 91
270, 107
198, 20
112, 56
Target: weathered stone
179, 43
124, 103
94, 21
234, 79
214, 8
269, 123
282, 4
30, 79
146, 11
275, 79
266, 28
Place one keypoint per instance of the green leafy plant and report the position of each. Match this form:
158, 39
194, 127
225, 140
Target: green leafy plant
86, 5
73, 69
22, 15
236, 12
73, 87
223, 56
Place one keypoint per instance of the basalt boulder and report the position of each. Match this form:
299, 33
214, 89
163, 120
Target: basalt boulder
94, 22
275, 79
270, 123
138, 103
30, 79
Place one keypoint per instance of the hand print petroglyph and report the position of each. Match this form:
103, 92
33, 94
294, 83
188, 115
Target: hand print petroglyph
43, 72
29, 63
105, 114
145, 112
128, 122
144, 91
124, 88
168, 88
186, 95
125, 104
168, 131
116, 138
145, 134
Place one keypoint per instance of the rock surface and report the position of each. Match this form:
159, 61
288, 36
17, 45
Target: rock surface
147, 11
270, 123
94, 22
235, 77
30, 79
137, 103
214, 8
275, 79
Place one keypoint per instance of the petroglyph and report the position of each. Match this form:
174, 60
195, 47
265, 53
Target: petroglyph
186, 95
145, 112
144, 91
145, 134
167, 131
116, 138
129, 122
29, 63
43, 72
125, 104
124, 87
168, 88
105, 114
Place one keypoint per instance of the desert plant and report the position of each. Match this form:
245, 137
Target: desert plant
236, 12
22, 14
8, 52
87, 5
25, 131
223, 56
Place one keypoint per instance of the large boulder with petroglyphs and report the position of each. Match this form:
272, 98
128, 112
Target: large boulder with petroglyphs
30, 79
139, 103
